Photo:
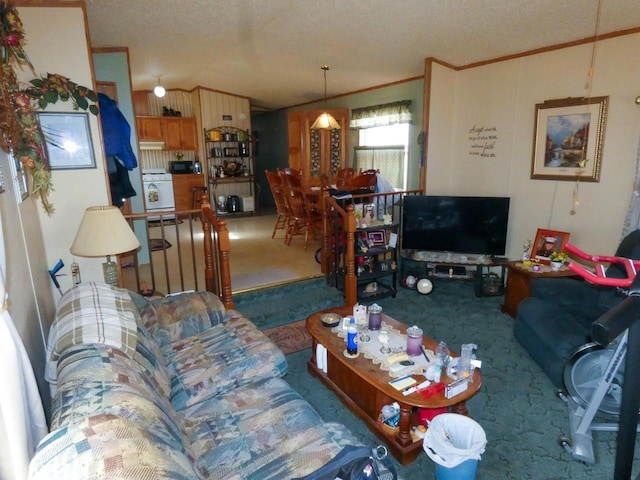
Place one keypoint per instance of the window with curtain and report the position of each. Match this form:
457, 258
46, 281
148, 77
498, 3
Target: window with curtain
388, 161
381, 115
383, 140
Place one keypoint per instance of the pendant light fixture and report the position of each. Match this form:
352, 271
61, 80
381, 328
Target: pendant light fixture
588, 86
325, 121
159, 90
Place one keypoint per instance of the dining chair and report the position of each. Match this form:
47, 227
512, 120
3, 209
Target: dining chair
304, 219
344, 176
290, 171
276, 184
291, 179
364, 181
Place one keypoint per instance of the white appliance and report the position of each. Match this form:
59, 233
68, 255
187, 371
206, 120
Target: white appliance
158, 190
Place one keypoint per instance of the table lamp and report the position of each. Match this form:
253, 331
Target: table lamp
103, 232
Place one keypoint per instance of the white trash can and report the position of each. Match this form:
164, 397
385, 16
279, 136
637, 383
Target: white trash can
455, 443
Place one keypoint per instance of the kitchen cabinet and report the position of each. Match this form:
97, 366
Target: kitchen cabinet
180, 133
317, 152
150, 129
177, 133
183, 185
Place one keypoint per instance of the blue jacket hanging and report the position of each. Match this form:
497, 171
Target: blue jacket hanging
116, 132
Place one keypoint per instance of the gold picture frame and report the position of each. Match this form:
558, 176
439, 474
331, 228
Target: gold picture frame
568, 139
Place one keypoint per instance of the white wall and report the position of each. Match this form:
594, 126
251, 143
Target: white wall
66, 52
34, 242
503, 95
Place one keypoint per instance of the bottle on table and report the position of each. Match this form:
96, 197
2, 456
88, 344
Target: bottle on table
352, 337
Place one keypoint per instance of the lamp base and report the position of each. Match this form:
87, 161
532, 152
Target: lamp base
110, 272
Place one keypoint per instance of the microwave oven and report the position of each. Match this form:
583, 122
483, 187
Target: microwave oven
181, 166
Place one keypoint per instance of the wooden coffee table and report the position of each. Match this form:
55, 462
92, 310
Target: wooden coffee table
364, 388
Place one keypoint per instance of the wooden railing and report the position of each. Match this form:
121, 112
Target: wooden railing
339, 227
216, 254
191, 263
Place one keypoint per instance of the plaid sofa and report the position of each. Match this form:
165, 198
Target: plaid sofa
175, 387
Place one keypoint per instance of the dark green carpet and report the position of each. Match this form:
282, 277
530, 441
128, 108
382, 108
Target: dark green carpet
517, 405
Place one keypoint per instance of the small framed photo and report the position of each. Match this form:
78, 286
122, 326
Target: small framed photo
548, 241
369, 214
568, 139
377, 238
358, 209
67, 140
393, 240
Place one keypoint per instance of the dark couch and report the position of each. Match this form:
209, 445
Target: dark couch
556, 319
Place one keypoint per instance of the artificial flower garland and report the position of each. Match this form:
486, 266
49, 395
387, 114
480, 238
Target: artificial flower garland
20, 128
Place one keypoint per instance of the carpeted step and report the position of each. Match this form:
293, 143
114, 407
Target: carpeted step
275, 306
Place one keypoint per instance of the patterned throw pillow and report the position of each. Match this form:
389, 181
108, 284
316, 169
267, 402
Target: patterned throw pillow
92, 313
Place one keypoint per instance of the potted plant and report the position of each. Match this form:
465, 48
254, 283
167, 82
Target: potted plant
557, 259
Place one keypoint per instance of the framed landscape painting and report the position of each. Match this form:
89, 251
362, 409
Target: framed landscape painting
568, 139
67, 140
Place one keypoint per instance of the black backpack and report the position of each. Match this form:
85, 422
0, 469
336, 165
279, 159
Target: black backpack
356, 463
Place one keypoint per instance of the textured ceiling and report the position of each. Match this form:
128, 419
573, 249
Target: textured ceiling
271, 50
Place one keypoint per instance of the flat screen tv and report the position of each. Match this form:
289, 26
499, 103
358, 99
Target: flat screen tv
465, 225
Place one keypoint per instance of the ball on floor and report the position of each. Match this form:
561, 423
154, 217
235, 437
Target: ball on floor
425, 286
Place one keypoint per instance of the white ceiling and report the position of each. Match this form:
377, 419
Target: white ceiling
271, 50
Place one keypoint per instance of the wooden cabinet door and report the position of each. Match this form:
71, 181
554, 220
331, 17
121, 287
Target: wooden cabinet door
150, 129
188, 134
172, 133
180, 133
317, 152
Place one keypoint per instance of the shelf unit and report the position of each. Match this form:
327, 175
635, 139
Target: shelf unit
459, 267
230, 168
376, 261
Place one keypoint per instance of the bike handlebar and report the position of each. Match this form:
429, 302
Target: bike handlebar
598, 276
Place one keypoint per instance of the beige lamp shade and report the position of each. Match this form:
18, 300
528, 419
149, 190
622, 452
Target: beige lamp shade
325, 122
102, 232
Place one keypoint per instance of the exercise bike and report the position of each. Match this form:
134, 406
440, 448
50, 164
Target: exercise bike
594, 374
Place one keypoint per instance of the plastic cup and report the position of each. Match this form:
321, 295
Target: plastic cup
375, 317
414, 341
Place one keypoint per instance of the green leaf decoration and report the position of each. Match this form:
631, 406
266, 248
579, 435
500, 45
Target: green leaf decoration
93, 109
51, 96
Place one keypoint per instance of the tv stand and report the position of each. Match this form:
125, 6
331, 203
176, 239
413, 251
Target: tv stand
421, 264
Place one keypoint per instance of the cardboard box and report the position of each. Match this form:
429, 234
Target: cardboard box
248, 204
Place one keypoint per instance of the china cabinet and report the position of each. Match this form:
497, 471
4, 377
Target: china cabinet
317, 152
